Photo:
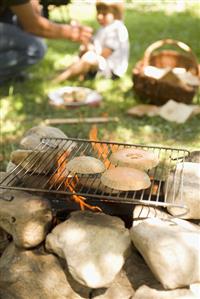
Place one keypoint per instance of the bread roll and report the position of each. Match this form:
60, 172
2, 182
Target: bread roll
85, 165
34, 160
136, 158
125, 178
95, 183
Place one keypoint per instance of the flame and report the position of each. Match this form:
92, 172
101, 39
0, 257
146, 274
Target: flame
102, 149
59, 178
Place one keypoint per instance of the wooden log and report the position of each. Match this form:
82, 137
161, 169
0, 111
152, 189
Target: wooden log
89, 120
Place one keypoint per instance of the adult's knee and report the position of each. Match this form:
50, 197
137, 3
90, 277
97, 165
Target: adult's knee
37, 49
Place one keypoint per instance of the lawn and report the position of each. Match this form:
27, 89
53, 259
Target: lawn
24, 105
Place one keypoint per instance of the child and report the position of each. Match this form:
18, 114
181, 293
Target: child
108, 53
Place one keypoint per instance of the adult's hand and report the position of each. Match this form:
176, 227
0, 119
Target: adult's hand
80, 33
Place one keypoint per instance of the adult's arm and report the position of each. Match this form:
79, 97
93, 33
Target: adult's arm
36, 24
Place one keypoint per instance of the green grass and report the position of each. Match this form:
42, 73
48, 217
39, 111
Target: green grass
26, 105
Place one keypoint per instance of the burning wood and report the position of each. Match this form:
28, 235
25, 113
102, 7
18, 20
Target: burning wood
88, 120
59, 179
101, 149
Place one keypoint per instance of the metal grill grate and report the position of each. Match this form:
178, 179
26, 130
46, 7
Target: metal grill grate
39, 172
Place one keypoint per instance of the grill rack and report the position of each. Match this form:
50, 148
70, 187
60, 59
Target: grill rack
35, 172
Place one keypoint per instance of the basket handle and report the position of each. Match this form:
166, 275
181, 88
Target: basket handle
160, 43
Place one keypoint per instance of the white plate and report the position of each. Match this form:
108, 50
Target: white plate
56, 96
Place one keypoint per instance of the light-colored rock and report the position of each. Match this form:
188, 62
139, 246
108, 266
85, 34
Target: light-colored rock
194, 156
4, 242
35, 161
134, 274
138, 273
145, 292
118, 289
25, 216
195, 288
170, 249
32, 138
94, 245
34, 274
78, 288
7, 179
141, 212
10, 166
183, 186
29, 180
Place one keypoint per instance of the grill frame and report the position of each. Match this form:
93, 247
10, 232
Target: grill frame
169, 158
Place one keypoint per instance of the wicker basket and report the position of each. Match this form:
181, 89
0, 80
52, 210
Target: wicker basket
158, 92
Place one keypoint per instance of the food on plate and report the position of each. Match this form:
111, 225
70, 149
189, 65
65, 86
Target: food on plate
76, 95
85, 165
136, 158
125, 178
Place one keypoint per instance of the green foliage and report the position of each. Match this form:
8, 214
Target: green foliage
25, 105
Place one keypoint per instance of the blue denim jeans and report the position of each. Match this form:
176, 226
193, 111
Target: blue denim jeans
18, 50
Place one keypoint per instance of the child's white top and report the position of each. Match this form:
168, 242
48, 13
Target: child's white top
115, 37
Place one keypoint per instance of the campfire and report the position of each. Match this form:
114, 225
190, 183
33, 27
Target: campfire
44, 170
59, 179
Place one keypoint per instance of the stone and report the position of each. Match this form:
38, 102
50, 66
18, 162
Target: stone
94, 245
18, 176
194, 156
170, 249
138, 272
140, 213
7, 179
145, 292
134, 274
118, 289
4, 240
31, 274
25, 216
10, 166
183, 187
195, 288
35, 161
33, 136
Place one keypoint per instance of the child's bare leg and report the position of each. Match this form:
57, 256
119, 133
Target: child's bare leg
85, 64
